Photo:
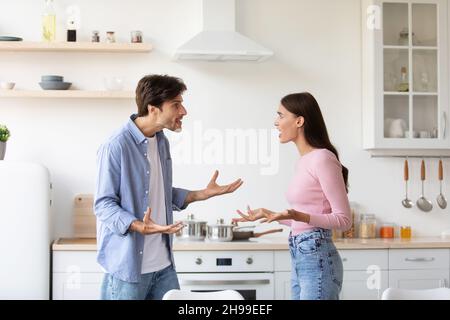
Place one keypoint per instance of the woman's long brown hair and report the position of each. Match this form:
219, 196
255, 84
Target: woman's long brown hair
316, 133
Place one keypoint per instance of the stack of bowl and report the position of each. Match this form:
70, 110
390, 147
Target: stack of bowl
54, 83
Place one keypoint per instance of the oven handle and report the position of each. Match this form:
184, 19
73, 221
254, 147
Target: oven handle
223, 282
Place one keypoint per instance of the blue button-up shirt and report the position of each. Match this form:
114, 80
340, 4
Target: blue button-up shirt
122, 196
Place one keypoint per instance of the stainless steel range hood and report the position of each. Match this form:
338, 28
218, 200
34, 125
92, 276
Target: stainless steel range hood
218, 41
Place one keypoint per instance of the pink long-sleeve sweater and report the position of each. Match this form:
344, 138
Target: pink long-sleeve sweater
317, 188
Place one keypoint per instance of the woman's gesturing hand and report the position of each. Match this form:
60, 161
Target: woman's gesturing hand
253, 215
257, 214
274, 216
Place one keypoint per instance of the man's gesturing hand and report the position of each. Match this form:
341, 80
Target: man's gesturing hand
148, 226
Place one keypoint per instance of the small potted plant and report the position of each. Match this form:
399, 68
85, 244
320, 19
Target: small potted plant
4, 136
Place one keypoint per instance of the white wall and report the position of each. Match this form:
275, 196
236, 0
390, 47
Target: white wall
318, 49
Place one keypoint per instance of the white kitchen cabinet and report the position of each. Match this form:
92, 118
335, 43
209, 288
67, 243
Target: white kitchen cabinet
355, 285
282, 261
418, 279
363, 285
417, 259
282, 285
76, 275
77, 285
405, 75
361, 260
282, 275
419, 268
365, 274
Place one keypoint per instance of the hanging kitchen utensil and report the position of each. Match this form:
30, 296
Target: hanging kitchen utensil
407, 203
442, 202
423, 203
245, 235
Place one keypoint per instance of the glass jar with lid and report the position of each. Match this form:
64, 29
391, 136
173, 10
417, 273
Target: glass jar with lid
367, 226
405, 232
387, 231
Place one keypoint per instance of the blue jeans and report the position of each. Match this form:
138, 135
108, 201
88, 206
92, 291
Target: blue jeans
152, 286
317, 271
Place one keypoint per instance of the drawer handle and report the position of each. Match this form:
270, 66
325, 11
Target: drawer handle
223, 282
419, 259
344, 259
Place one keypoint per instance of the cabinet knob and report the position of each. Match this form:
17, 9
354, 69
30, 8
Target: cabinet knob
198, 261
249, 261
344, 259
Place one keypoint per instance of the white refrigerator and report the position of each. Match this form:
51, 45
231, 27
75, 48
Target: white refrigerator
25, 234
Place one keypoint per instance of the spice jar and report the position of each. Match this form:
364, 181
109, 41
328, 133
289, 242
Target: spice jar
95, 36
136, 36
387, 231
110, 37
405, 232
367, 226
350, 233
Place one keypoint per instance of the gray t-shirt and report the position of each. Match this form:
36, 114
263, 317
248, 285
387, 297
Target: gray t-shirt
156, 255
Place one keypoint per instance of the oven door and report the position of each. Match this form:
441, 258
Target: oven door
252, 286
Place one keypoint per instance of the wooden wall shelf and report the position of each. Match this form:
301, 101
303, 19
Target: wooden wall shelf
77, 94
24, 46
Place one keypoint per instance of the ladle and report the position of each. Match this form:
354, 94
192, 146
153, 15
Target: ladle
407, 203
423, 203
442, 202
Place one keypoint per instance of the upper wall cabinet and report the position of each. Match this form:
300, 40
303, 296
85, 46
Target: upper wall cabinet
405, 75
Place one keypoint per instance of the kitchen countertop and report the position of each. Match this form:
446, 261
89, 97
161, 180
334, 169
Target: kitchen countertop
269, 243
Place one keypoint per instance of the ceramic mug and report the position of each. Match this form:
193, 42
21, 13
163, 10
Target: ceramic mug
397, 129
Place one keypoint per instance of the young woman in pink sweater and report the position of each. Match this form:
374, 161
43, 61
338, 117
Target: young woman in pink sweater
318, 199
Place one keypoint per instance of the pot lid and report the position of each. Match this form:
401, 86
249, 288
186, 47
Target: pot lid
221, 223
191, 219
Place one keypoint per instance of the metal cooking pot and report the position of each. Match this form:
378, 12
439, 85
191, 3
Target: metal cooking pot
220, 231
193, 230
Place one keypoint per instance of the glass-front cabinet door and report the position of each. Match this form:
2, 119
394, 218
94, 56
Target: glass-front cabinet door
406, 85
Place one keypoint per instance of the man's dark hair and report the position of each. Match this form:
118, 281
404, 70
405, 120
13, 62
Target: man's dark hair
156, 89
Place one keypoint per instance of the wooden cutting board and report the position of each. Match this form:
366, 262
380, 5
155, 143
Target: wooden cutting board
84, 220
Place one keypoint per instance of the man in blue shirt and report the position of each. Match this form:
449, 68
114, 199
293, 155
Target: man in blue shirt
135, 199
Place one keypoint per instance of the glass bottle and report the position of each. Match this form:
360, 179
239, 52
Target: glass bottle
49, 22
424, 81
368, 226
71, 31
404, 85
95, 36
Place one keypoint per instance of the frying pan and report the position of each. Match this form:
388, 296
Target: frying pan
245, 235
